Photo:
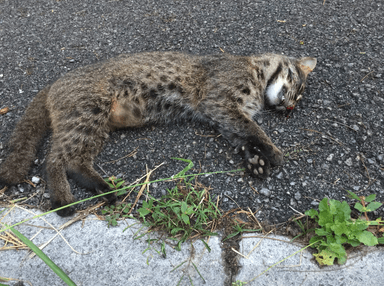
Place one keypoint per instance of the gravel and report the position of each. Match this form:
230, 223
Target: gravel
339, 119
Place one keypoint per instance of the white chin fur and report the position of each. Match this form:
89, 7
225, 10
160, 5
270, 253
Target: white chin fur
273, 91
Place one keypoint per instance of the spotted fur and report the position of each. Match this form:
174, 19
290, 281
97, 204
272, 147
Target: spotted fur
133, 90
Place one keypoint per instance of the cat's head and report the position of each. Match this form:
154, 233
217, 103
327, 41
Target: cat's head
286, 84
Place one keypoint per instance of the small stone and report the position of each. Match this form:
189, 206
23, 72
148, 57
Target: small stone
35, 180
356, 188
349, 162
46, 195
261, 171
355, 127
315, 203
310, 161
292, 183
292, 202
371, 161
265, 192
297, 196
380, 157
325, 166
280, 175
330, 157
240, 180
231, 162
21, 190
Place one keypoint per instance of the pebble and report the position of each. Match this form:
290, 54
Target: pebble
348, 162
310, 161
330, 157
380, 157
297, 196
370, 161
35, 180
46, 195
280, 175
315, 203
265, 192
292, 202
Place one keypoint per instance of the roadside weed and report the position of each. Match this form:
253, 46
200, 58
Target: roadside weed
336, 228
239, 228
113, 213
183, 211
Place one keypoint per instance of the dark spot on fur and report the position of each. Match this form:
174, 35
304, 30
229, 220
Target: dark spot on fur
178, 78
275, 74
96, 122
153, 93
266, 63
246, 121
167, 106
160, 87
159, 107
246, 90
239, 100
261, 75
136, 100
74, 113
163, 78
171, 86
144, 87
68, 149
129, 83
149, 75
76, 141
136, 112
180, 89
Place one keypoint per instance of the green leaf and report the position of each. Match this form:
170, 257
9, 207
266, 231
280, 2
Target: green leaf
373, 206
312, 213
370, 198
359, 207
185, 218
367, 238
340, 228
321, 232
323, 205
325, 257
381, 240
353, 242
353, 196
183, 207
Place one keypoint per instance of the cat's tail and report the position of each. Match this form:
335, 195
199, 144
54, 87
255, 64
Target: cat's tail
25, 140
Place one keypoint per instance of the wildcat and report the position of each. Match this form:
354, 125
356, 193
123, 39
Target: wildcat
133, 90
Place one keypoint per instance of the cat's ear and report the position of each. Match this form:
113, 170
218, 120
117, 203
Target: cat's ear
307, 64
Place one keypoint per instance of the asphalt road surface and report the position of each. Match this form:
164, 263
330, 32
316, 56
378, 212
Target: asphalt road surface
333, 141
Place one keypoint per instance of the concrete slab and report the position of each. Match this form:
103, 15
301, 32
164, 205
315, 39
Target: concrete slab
92, 254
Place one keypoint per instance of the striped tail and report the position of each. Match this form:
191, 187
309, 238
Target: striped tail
25, 140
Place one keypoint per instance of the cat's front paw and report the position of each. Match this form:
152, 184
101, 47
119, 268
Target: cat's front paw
255, 163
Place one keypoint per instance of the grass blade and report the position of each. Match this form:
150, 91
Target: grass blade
44, 257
